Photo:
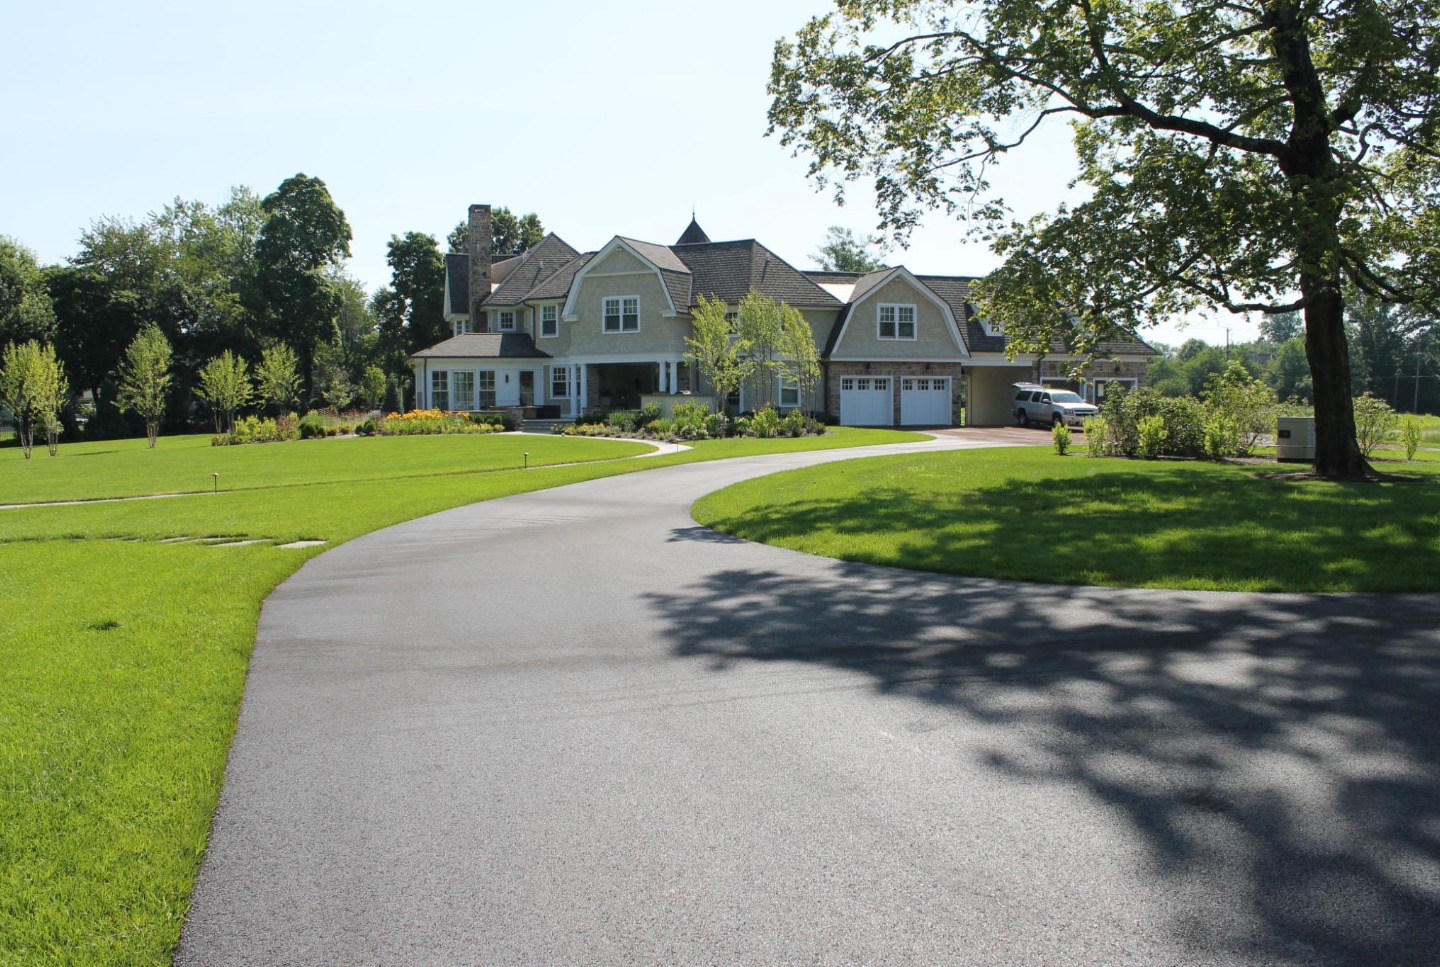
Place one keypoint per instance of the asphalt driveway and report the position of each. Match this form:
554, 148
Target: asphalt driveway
573, 727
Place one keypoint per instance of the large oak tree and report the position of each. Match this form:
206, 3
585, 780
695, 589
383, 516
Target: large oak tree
1253, 155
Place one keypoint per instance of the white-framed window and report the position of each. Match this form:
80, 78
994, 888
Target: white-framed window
622, 313
1102, 384
549, 321
439, 389
462, 390
463, 326
487, 388
789, 394
895, 322
507, 320
560, 382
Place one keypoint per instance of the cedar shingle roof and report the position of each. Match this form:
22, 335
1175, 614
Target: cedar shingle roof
457, 277
693, 234
730, 270
485, 345
557, 286
536, 265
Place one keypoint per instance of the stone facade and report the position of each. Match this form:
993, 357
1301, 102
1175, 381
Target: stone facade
897, 370
1099, 369
477, 243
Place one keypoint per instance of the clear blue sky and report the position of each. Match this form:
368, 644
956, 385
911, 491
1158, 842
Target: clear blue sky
604, 119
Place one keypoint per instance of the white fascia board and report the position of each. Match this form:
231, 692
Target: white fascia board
571, 314
900, 272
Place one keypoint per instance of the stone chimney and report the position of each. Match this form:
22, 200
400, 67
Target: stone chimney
477, 246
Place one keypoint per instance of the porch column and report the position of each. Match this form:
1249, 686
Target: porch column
665, 377
584, 383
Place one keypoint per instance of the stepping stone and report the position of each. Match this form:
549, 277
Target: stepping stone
293, 545
236, 543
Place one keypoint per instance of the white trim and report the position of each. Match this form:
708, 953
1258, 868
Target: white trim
880, 308
540, 324
620, 313
570, 312
900, 272
500, 315
780, 387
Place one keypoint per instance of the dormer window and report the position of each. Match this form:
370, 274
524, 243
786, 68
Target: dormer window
507, 320
549, 320
622, 313
896, 322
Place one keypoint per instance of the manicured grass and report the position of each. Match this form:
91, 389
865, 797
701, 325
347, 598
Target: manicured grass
1030, 515
124, 657
184, 464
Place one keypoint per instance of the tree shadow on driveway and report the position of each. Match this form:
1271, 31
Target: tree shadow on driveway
1282, 746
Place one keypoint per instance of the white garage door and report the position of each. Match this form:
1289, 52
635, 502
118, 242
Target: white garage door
925, 401
866, 401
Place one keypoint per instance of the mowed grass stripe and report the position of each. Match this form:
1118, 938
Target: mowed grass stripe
124, 658
1030, 515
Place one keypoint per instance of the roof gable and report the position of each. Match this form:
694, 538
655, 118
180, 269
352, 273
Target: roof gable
729, 271
868, 285
673, 273
536, 265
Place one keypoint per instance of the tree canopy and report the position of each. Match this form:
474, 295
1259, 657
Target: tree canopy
1251, 156
843, 252
510, 234
304, 240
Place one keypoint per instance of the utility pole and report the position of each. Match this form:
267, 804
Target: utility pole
1415, 407
1227, 343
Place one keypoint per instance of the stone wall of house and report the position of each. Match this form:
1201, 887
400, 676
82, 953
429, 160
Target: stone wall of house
896, 370
1100, 369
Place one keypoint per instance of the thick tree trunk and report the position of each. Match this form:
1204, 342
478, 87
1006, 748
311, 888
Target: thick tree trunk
1337, 454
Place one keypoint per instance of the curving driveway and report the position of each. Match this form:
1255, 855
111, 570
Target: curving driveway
573, 727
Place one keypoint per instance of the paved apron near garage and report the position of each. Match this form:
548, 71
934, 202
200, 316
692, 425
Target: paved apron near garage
574, 727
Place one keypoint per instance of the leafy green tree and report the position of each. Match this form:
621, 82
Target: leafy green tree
1243, 402
370, 389
843, 252
417, 278
333, 383
277, 378
1281, 327
145, 379
1288, 372
720, 357
1247, 156
225, 387
511, 234
514, 234
33, 385
797, 357
760, 325
303, 242
26, 312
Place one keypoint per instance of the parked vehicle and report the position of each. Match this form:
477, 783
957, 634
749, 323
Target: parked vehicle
1041, 404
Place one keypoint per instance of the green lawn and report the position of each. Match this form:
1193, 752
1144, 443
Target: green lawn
1030, 515
124, 656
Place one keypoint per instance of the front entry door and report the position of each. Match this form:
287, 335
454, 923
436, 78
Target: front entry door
527, 388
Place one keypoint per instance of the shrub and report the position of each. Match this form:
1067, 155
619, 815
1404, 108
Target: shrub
794, 424
1410, 435
311, 426
646, 415
418, 422
1060, 437
1182, 419
663, 427
1152, 434
1241, 406
626, 421
1096, 430
765, 424
691, 420
1374, 419
1222, 437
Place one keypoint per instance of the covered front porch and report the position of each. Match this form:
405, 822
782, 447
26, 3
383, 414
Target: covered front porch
624, 384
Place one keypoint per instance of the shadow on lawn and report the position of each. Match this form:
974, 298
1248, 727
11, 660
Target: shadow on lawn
1121, 527
1278, 762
